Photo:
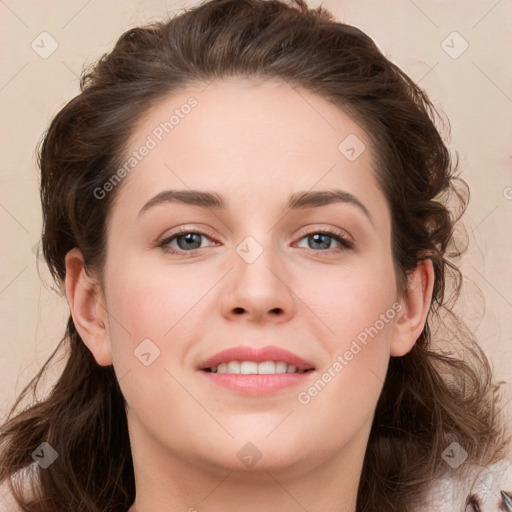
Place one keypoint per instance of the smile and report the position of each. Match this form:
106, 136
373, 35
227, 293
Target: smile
255, 368
256, 371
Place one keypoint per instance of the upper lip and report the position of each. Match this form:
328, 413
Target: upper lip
259, 355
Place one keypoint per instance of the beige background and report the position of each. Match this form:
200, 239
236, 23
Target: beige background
473, 89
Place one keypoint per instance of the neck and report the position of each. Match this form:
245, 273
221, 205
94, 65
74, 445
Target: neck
264, 490
329, 483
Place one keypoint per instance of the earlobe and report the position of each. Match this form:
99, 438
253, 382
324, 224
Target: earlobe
86, 303
415, 307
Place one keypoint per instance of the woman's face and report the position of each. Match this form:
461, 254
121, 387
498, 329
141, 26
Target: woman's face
254, 277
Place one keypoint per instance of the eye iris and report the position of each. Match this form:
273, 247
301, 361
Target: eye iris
324, 245
189, 237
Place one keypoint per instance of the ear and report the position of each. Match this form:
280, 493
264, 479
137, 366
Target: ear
87, 305
415, 306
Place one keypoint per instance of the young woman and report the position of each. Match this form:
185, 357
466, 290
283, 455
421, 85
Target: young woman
285, 360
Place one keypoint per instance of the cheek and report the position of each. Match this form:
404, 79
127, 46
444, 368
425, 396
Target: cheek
150, 320
357, 308
348, 301
165, 304
142, 306
147, 298
358, 351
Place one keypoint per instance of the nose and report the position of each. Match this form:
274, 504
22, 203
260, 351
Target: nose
259, 286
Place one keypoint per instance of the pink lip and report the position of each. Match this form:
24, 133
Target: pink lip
244, 353
257, 385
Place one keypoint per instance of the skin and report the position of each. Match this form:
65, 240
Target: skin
255, 142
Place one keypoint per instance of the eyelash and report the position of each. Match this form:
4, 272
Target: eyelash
335, 234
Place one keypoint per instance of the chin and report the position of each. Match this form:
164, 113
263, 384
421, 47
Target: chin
259, 454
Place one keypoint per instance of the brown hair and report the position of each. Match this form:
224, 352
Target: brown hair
429, 399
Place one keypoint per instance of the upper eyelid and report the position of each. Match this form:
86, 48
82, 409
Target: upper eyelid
302, 232
342, 233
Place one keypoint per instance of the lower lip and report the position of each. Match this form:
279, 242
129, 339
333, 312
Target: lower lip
258, 384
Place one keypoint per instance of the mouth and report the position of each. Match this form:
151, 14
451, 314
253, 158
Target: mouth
246, 360
255, 368
256, 371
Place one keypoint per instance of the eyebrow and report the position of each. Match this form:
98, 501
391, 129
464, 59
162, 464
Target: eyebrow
215, 201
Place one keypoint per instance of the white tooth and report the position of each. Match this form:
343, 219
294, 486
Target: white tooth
233, 367
249, 367
281, 367
254, 368
267, 368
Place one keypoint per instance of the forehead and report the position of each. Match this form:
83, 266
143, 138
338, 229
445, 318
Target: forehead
251, 138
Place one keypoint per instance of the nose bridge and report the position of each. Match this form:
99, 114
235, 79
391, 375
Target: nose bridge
259, 279
255, 230
257, 257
